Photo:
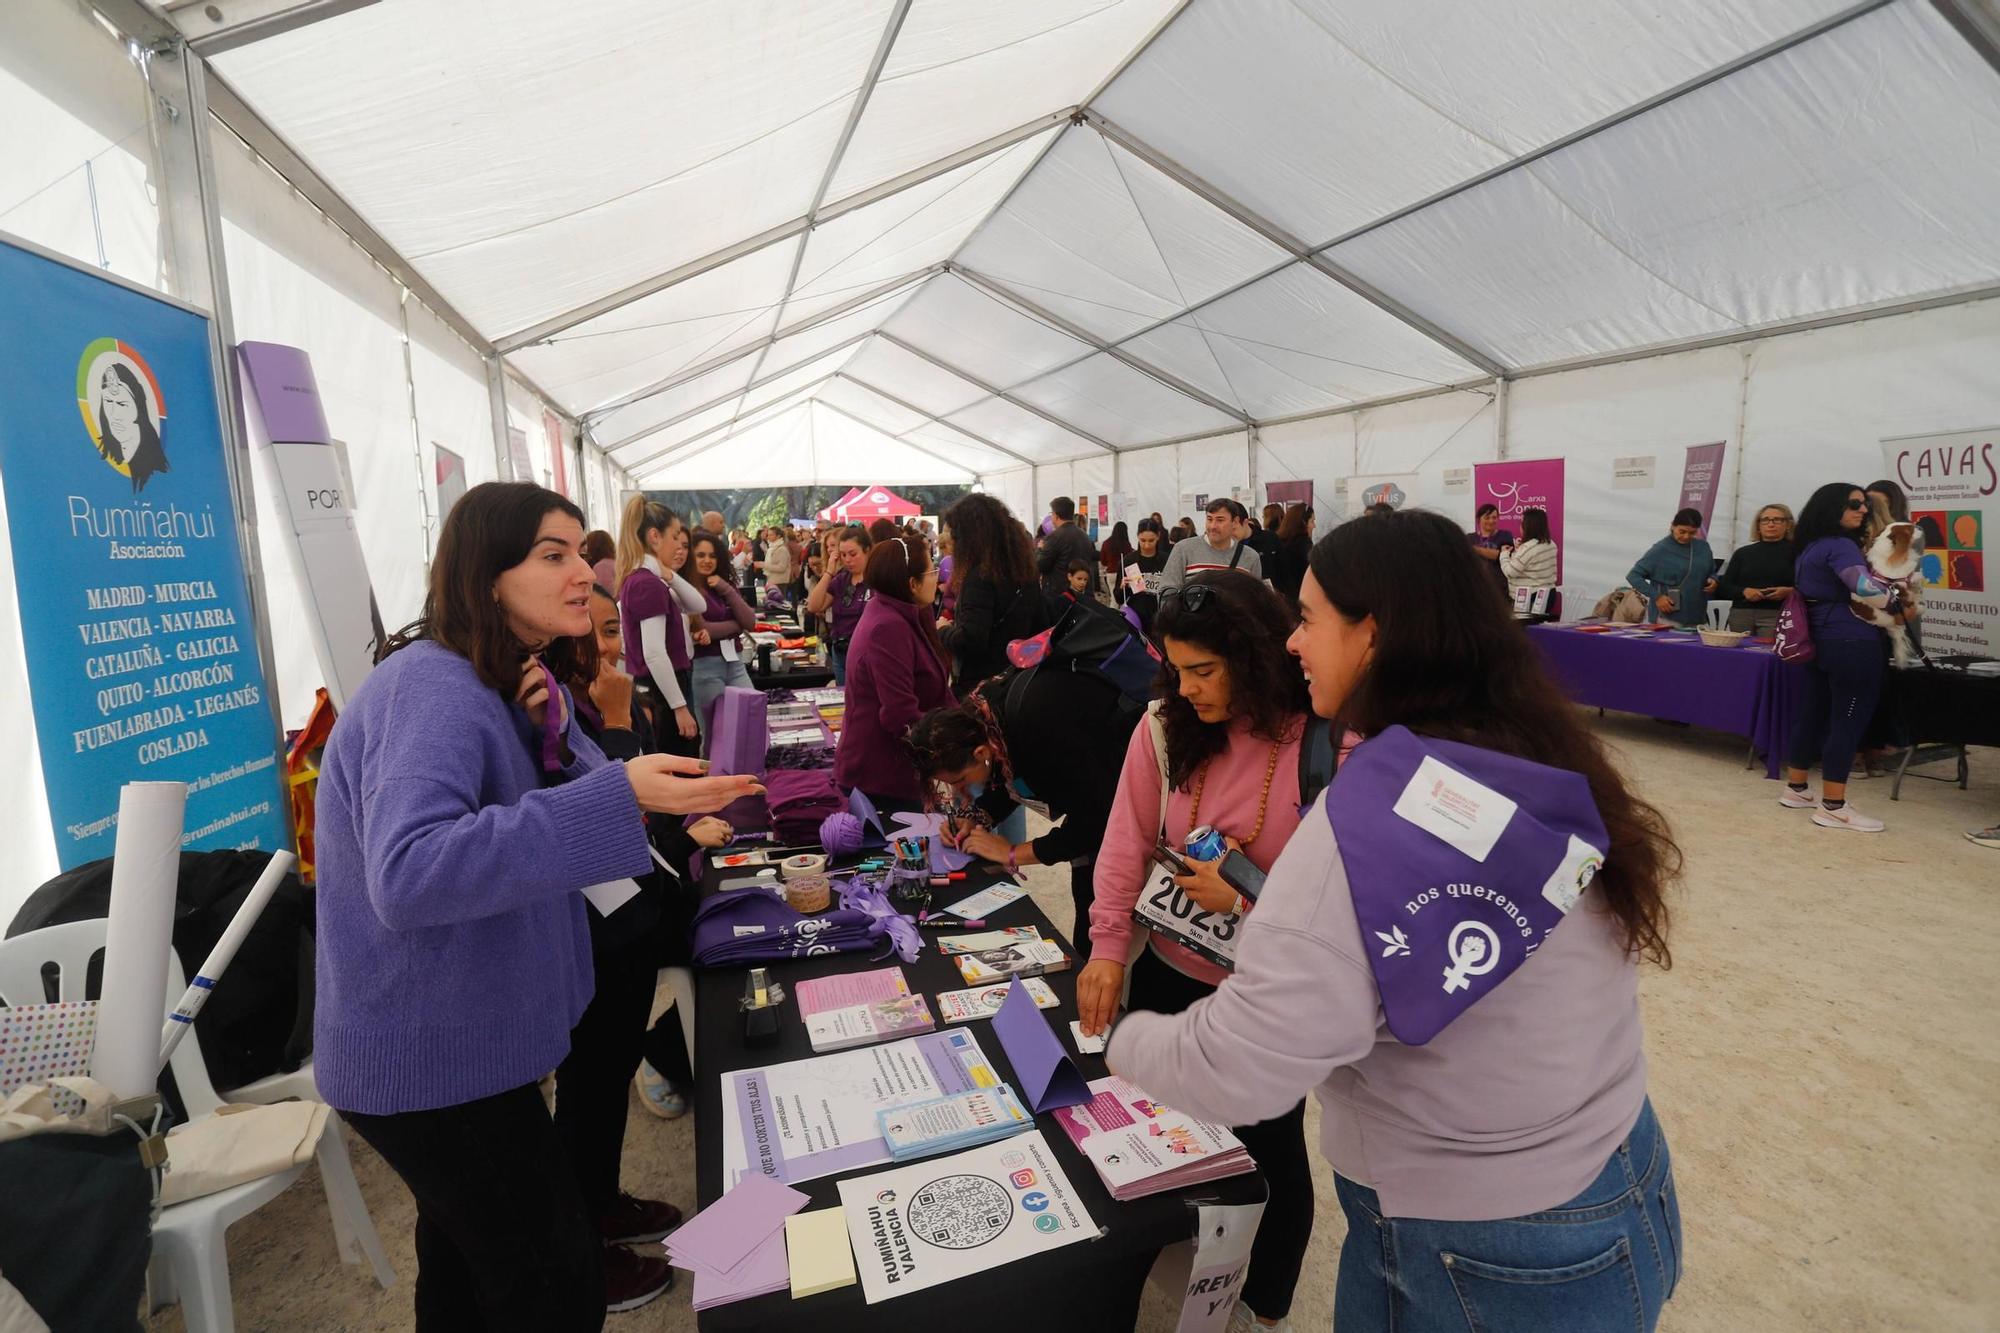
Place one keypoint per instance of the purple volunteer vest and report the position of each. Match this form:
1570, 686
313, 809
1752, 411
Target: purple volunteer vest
1460, 862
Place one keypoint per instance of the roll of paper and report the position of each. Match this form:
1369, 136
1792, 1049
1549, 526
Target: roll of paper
145, 875
796, 867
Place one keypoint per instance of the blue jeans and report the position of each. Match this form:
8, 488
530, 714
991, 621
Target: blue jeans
836, 656
712, 675
1842, 683
1606, 1260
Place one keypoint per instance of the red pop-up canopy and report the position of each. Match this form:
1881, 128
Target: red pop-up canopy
868, 502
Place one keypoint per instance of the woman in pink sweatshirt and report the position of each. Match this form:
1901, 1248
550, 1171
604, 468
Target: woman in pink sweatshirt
1223, 748
1448, 952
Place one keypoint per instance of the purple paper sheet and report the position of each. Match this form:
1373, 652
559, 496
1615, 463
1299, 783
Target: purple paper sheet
1043, 1073
765, 1269
722, 1238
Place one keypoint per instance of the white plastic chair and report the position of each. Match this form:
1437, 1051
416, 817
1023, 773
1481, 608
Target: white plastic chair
190, 1252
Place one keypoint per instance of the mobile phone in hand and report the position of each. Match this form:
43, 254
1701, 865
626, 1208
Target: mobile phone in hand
1171, 859
1240, 873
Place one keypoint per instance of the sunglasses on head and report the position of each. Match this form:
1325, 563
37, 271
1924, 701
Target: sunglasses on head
1195, 596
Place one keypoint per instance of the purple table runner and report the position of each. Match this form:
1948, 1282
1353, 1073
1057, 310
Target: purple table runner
1674, 675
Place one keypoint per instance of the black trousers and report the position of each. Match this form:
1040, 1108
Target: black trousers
504, 1243
1278, 1146
592, 1083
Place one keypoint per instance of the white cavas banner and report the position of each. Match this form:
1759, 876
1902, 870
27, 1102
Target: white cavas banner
1953, 482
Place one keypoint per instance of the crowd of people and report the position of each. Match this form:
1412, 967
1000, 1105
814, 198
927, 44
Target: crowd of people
539, 732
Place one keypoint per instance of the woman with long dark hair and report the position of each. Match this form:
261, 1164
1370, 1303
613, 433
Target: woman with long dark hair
1223, 745
840, 595
1047, 741
993, 566
896, 672
461, 814
1434, 955
1117, 549
717, 661
1530, 566
1844, 679
1143, 568
1295, 539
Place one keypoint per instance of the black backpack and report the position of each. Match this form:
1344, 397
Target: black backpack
1095, 639
258, 1020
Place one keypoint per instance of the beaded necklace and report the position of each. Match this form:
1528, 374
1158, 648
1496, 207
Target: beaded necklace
1263, 798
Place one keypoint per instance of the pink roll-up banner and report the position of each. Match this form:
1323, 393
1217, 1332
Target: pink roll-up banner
1698, 479
1518, 485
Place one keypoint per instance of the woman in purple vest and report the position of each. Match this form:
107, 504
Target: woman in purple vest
1448, 951
461, 815
841, 594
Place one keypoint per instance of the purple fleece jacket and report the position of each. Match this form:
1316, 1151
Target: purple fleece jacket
453, 948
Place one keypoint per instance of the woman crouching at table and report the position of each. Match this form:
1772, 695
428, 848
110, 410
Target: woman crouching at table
461, 814
1223, 750
1449, 952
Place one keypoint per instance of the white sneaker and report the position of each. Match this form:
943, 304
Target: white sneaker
1846, 817
1798, 800
1242, 1319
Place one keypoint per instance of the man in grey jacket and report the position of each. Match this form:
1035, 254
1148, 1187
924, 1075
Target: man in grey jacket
1066, 542
1220, 547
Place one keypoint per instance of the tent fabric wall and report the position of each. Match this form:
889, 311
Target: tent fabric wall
1795, 409
80, 172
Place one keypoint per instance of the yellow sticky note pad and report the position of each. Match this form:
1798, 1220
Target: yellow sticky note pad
816, 1246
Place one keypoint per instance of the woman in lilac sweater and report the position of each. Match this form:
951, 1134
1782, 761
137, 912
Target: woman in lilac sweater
896, 672
1448, 952
460, 815
718, 659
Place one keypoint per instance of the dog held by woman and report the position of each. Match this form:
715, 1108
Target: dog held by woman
1895, 558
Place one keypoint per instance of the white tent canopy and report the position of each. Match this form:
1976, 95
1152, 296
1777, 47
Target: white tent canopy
1056, 229
1145, 248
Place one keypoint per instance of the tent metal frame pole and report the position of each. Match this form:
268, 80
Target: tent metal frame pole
897, 13
1252, 440
1978, 22
928, 453
191, 214
932, 418
756, 417
1284, 240
249, 20
737, 394
720, 360
694, 268
777, 406
1000, 291
1501, 396
993, 391
496, 404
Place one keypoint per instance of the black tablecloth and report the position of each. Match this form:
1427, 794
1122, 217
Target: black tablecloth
798, 678
1944, 705
1091, 1285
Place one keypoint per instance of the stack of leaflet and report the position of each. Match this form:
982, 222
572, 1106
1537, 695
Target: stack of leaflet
855, 1008
735, 1247
1140, 1147
947, 1124
1026, 958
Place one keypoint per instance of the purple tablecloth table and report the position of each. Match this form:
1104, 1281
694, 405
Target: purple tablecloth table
1674, 675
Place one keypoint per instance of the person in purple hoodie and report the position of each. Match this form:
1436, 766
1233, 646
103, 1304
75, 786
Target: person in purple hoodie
1448, 952
461, 814
896, 672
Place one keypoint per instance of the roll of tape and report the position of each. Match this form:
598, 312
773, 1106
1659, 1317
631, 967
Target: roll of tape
806, 863
808, 893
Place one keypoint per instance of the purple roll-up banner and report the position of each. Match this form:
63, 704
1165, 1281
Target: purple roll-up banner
1699, 477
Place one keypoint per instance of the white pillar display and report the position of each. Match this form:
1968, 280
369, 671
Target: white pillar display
282, 407
145, 876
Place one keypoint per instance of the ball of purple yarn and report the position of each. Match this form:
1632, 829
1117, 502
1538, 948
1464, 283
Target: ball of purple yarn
840, 833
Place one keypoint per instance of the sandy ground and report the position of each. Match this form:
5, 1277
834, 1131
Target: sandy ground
1823, 1059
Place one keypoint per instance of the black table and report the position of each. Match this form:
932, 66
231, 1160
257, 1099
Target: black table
1091, 1285
1943, 708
